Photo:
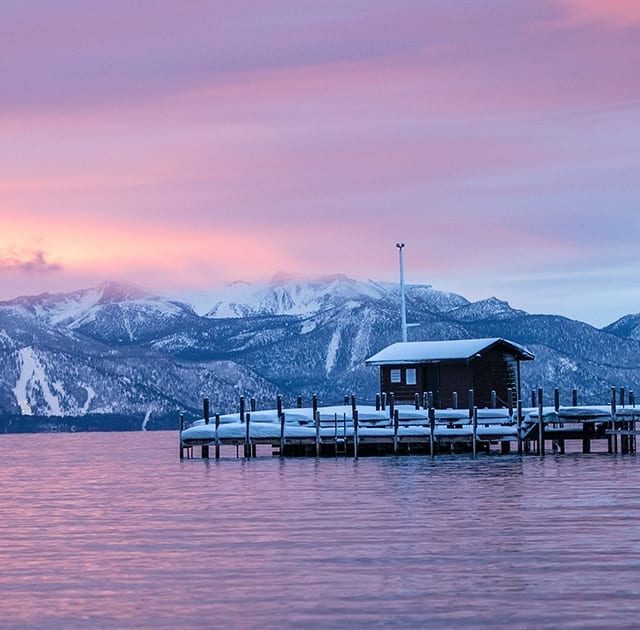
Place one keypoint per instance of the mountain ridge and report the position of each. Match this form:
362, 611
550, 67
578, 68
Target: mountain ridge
118, 349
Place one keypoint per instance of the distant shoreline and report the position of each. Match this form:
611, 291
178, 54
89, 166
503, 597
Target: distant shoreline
85, 424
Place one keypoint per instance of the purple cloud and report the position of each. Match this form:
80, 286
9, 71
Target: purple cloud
35, 263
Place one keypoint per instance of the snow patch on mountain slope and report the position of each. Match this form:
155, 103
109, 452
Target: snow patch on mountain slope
361, 342
91, 394
332, 350
33, 377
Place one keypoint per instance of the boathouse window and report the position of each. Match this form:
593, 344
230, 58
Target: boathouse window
411, 376
396, 376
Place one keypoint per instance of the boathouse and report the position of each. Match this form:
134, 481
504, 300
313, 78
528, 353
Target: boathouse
451, 368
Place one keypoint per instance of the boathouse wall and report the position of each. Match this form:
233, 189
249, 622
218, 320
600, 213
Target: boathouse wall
494, 370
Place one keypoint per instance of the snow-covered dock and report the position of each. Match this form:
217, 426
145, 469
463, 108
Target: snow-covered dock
400, 429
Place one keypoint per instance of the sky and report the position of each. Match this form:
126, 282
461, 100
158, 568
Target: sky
183, 145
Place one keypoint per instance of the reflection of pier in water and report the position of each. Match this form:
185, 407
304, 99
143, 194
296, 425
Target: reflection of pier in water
390, 429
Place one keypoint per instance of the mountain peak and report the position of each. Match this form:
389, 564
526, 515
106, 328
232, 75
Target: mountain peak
113, 291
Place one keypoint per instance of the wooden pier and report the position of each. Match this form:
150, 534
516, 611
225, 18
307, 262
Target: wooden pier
388, 428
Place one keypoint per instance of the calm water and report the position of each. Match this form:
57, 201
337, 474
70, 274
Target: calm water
111, 530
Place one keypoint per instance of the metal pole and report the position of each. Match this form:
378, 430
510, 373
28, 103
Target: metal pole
403, 306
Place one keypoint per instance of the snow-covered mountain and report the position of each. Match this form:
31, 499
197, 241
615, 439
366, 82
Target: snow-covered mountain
627, 326
118, 350
287, 294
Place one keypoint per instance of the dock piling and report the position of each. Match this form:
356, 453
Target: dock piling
217, 420
454, 400
242, 409
204, 450
432, 431
475, 430
416, 401
316, 417
378, 402
541, 450
574, 397
613, 439
355, 434
181, 429
247, 436
494, 399
396, 444
519, 421
282, 420
471, 403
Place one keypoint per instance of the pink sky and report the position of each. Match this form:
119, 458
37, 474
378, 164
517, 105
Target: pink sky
185, 145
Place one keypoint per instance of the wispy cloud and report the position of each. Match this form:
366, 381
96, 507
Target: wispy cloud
616, 13
34, 262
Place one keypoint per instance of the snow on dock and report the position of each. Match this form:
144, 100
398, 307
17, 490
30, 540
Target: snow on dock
342, 429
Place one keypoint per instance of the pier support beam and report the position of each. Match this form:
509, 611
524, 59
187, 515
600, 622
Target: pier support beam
587, 431
205, 415
181, 429
541, 450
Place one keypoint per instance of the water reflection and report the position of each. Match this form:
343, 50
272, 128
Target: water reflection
111, 530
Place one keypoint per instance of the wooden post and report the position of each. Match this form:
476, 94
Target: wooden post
632, 398
519, 421
432, 430
425, 400
316, 417
355, 434
586, 436
378, 401
314, 404
181, 429
556, 399
279, 405
430, 400
242, 409
217, 417
383, 401
574, 397
354, 404
416, 400
510, 402
471, 403
454, 400
540, 423
613, 420
392, 404
475, 429
346, 400
534, 402
247, 436
205, 415
282, 421
396, 445
252, 404
299, 402
494, 399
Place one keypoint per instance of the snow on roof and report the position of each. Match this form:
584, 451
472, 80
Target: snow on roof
424, 351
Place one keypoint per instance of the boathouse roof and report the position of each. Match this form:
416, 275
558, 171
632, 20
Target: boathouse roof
433, 351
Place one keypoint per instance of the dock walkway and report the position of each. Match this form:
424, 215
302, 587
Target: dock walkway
405, 429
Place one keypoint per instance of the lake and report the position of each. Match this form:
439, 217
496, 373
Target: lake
111, 530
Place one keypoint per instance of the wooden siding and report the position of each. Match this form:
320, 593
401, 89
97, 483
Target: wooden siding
495, 370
